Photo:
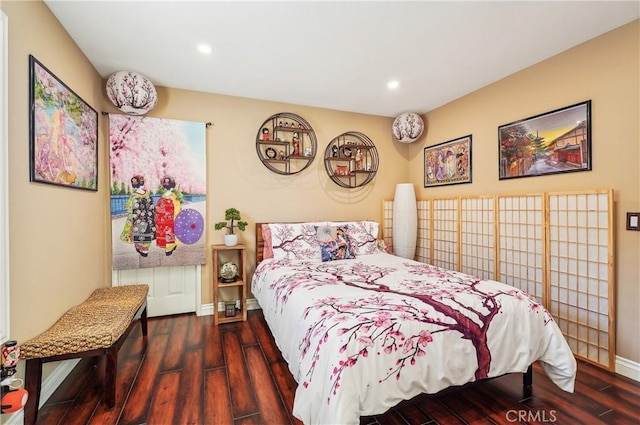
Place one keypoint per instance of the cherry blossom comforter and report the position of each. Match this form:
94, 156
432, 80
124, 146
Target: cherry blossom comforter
361, 335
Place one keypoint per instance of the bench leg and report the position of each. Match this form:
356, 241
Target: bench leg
32, 383
143, 321
110, 377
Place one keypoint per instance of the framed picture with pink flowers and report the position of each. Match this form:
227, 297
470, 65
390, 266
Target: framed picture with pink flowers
63, 133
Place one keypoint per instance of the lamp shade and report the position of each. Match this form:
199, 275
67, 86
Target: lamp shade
405, 221
408, 127
132, 93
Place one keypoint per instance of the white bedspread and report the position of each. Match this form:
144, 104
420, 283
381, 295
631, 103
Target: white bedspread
361, 335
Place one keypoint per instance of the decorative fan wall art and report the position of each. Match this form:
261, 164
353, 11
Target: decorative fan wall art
132, 93
408, 127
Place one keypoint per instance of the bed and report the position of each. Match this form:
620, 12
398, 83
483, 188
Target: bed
362, 330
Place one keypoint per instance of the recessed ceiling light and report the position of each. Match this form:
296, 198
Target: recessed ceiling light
204, 49
393, 84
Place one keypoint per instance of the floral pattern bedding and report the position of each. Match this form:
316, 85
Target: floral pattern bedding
361, 335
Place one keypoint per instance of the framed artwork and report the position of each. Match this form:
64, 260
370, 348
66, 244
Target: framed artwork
554, 142
448, 162
63, 133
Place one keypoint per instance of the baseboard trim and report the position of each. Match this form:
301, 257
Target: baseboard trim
49, 385
628, 368
206, 309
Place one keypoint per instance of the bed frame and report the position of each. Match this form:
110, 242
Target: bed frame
527, 377
259, 244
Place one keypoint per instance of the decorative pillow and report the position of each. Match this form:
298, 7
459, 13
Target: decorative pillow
295, 241
363, 236
382, 247
267, 251
334, 242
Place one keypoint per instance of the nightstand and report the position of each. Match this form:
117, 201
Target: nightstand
237, 255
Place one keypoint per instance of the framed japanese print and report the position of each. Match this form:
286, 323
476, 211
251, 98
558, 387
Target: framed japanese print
63, 133
554, 142
448, 162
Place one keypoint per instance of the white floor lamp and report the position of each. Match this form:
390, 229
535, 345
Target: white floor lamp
405, 221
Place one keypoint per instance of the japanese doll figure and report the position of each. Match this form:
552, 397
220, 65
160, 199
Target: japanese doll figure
167, 209
359, 160
140, 227
296, 145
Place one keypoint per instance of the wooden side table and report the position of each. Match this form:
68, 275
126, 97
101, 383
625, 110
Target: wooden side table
235, 254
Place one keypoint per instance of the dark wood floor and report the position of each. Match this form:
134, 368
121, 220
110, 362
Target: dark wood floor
195, 373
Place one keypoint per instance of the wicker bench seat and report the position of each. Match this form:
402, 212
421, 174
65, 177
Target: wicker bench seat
98, 326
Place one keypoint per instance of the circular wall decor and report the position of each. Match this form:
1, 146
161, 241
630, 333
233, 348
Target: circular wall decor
351, 159
132, 93
408, 127
286, 143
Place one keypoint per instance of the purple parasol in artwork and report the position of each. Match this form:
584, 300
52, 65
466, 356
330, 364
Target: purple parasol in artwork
189, 226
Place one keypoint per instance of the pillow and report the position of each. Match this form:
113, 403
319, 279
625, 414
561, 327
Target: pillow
363, 236
267, 251
382, 247
295, 241
334, 243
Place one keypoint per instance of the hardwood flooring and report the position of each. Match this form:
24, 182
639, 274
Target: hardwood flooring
192, 372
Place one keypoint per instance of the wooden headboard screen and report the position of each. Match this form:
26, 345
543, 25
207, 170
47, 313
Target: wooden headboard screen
259, 243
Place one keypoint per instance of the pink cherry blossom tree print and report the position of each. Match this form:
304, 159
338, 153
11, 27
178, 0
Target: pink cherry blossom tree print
376, 321
154, 148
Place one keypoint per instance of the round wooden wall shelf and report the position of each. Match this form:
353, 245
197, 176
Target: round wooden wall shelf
286, 143
351, 159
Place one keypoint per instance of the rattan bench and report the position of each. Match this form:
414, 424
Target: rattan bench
98, 326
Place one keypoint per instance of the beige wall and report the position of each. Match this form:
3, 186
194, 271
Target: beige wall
57, 254
605, 70
237, 178
60, 238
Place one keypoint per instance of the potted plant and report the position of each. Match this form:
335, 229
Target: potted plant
232, 220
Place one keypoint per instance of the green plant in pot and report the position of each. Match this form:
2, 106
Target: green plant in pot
232, 221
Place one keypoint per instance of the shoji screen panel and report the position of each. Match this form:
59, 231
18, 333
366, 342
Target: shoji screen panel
556, 246
581, 276
477, 238
423, 247
521, 243
387, 222
445, 233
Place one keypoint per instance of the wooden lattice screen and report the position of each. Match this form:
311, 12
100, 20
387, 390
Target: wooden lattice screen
556, 246
478, 235
520, 243
580, 272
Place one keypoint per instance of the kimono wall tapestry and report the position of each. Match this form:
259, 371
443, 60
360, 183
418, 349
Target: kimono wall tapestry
158, 192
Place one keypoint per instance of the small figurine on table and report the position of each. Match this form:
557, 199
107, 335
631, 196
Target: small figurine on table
281, 155
296, 145
265, 133
334, 151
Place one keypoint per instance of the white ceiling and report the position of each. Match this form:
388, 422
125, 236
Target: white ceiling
337, 55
